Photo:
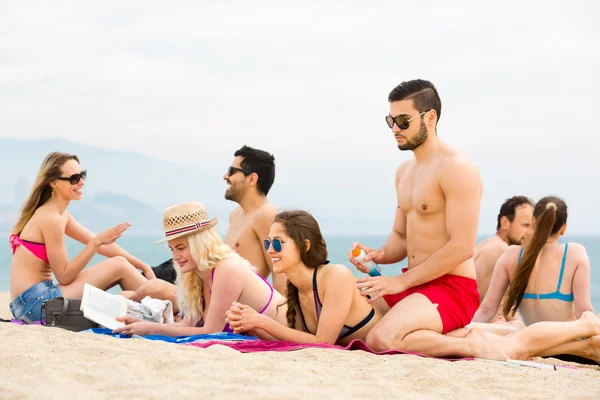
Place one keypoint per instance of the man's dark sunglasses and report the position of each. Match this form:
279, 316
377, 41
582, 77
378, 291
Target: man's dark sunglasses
75, 178
400, 120
233, 170
276, 244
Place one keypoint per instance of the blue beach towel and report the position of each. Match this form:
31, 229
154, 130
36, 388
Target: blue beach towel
221, 336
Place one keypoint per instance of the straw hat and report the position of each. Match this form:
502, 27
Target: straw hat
185, 219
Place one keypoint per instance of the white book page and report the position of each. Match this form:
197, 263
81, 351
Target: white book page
102, 307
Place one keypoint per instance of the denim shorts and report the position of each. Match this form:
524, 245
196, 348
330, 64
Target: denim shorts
29, 303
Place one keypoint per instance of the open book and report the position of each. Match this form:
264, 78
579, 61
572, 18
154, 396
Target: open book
102, 307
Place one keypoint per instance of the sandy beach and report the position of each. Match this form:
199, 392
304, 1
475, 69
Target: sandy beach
41, 362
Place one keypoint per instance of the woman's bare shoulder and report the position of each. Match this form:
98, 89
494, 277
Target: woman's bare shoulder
513, 250
232, 266
46, 216
578, 250
338, 273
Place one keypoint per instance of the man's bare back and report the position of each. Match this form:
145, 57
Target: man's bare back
247, 232
486, 253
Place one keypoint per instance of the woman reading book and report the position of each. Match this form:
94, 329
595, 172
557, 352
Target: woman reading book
38, 244
210, 277
324, 304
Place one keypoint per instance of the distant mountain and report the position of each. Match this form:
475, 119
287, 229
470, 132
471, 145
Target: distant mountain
115, 209
121, 185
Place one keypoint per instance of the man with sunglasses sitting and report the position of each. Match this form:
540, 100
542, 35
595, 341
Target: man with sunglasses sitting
249, 179
439, 193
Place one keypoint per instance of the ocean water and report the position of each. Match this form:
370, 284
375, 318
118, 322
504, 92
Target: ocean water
338, 247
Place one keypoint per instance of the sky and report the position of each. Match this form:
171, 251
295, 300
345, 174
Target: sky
190, 82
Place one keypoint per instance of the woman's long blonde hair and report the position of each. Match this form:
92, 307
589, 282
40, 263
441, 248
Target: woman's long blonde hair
41, 190
207, 250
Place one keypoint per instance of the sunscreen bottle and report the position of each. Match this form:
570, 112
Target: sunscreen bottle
359, 254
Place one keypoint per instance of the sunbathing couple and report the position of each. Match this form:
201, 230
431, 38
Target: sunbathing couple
423, 310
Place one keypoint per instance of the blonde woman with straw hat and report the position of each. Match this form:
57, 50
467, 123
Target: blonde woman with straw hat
210, 277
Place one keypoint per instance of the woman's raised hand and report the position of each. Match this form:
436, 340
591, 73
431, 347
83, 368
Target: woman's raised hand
111, 234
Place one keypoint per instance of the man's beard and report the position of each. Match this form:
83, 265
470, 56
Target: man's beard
235, 193
514, 242
417, 140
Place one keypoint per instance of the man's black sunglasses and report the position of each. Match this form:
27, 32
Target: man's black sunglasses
233, 170
401, 121
75, 178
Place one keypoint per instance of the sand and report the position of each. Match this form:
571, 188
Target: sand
42, 362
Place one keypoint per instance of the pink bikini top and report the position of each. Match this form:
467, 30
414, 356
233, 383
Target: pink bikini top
38, 249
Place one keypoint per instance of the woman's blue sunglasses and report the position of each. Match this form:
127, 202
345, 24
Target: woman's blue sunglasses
276, 244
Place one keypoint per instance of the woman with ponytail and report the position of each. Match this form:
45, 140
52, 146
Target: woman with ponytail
323, 302
546, 281
38, 244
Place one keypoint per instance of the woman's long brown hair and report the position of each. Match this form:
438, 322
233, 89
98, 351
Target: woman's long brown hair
301, 226
550, 215
41, 190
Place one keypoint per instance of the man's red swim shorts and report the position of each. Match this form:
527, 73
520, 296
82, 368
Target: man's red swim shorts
456, 296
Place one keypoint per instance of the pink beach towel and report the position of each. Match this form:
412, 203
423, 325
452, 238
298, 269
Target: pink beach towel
253, 346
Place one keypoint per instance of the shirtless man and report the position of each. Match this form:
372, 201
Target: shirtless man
439, 194
513, 228
249, 179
